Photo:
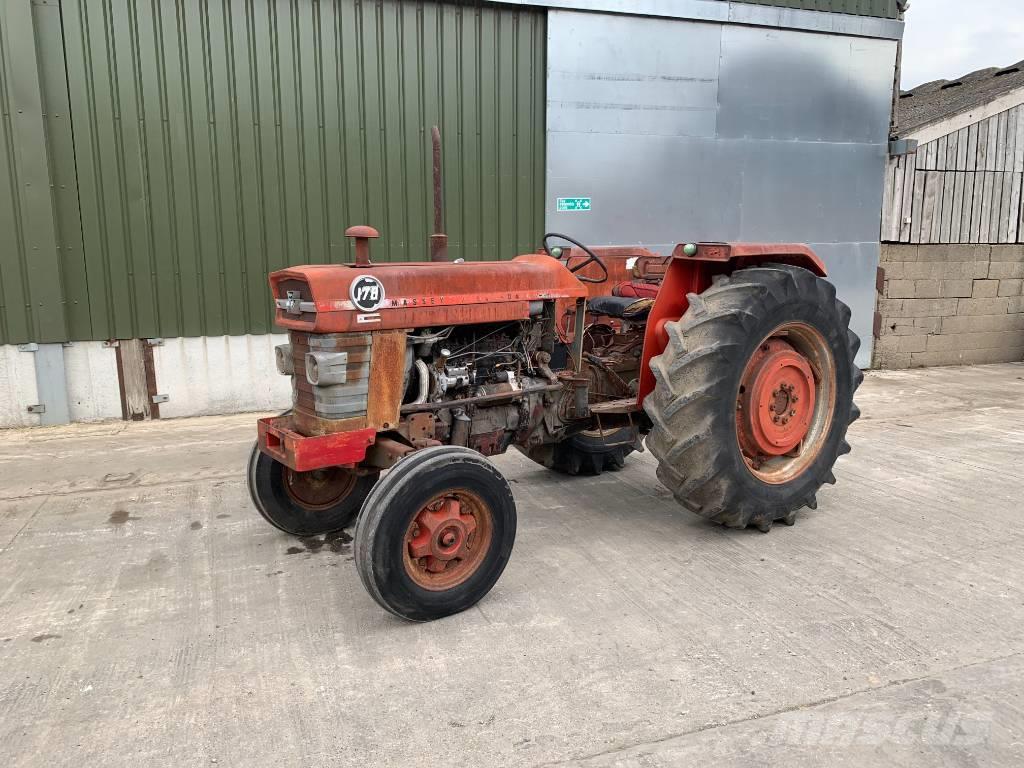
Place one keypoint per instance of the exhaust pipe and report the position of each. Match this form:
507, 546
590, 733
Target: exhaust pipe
438, 240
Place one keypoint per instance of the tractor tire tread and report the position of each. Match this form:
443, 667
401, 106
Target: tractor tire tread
380, 511
691, 384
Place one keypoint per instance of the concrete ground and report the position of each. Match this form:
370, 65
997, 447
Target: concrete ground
148, 616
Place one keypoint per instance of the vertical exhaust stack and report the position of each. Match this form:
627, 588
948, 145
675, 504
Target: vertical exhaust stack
438, 240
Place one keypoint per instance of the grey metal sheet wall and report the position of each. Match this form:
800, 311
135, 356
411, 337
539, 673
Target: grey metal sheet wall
214, 142
742, 133
839, 17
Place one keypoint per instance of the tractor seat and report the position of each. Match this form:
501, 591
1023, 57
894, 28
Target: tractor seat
624, 307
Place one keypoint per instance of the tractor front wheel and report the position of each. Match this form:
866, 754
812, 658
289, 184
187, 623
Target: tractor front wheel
435, 533
753, 396
306, 503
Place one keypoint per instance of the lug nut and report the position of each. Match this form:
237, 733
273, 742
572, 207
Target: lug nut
775, 420
792, 413
772, 407
796, 399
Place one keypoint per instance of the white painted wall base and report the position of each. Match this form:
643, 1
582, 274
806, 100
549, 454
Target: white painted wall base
91, 372
18, 388
220, 374
201, 376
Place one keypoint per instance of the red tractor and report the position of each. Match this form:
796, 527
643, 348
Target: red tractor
735, 362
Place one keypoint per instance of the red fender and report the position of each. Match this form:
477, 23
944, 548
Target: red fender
693, 274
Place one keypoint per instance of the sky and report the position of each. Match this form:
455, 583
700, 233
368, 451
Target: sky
949, 38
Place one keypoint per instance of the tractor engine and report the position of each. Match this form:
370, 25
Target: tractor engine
472, 380
482, 386
476, 360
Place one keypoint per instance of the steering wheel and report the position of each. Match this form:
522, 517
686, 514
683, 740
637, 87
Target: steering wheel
594, 258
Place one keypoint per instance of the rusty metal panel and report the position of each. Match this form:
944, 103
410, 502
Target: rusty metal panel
216, 142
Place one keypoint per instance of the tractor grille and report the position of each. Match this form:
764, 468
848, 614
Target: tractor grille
332, 401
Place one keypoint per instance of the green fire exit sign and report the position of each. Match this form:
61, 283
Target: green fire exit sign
573, 204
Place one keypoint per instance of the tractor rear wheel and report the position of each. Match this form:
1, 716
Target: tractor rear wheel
305, 503
753, 396
588, 453
435, 533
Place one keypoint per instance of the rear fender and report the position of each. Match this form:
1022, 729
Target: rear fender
688, 274
740, 255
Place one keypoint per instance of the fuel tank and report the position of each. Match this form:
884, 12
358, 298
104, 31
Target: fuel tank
347, 298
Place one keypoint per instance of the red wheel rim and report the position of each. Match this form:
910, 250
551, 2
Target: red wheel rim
320, 489
779, 392
447, 540
785, 402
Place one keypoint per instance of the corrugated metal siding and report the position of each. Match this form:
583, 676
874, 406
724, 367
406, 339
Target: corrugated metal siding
882, 8
31, 302
214, 142
152, 175
14, 321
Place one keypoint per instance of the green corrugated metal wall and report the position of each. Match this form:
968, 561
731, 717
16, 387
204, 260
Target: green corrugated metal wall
31, 298
882, 8
176, 152
216, 141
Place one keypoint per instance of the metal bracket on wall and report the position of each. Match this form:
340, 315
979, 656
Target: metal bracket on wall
157, 399
155, 342
37, 408
112, 344
28, 347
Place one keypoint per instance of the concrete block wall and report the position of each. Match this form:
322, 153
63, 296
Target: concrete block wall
950, 305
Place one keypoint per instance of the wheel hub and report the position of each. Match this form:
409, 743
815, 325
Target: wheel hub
776, 402
442, 535
320, 488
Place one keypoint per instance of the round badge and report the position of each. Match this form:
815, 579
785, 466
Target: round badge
366, 293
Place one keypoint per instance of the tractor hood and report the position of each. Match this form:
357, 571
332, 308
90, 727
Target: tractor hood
344, 298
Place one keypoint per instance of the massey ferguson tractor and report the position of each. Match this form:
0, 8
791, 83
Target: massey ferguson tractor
735, 362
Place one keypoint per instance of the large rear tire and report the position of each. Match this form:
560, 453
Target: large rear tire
753, 396
305, 503
588, 453
435, 534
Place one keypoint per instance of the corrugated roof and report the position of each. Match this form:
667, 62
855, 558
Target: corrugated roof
940, 99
